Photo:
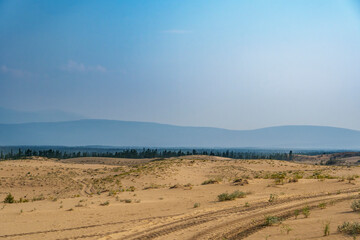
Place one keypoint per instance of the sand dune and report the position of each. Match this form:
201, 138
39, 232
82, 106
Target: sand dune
89, 198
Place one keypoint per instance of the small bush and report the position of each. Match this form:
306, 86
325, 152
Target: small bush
271, 220
322, 205
298, 175
296, 213
238, 194
327, 229
105, 203
188, 186
350, 228
225, 197
355, 205
9, 199
350, 178
176, 186
331, 162
152, 186
240, 181
286, 228
306, 212
196, 205
112, 192
232, 196
273, 197
279, 177
293, 180
23, 200
38, 198
211, 181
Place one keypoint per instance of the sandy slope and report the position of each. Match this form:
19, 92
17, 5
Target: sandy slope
68, 199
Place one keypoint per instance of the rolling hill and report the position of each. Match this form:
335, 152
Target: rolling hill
15, 116
131, 134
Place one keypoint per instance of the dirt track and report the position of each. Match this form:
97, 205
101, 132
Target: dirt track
239, 227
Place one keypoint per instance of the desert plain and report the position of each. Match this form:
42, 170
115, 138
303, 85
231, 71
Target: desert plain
190, 197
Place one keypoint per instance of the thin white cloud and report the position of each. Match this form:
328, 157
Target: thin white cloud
176, 31
73, 66
14, 72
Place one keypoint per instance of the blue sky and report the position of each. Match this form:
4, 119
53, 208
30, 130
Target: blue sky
230, 64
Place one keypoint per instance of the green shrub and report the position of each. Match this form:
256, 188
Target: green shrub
350, 228
271, 220
9, 199
306, 212
350, 178
152, 186
238, 194
286, 228
322, 205
210, 181
296, 213
327, 229
279, 177
196, 205
232, 196
240, 181
105, 203
355, 205
38, 198
273, 197
225, 197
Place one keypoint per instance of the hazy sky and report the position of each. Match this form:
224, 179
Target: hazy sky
230, 64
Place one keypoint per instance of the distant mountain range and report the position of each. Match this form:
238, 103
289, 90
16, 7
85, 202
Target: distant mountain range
138, 134
14, 116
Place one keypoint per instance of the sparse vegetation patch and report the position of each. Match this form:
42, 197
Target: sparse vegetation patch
9, 199
232, 196
272, 220
211, 181
349, 228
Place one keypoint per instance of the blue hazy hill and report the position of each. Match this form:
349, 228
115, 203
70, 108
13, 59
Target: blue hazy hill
131, 134
14, 116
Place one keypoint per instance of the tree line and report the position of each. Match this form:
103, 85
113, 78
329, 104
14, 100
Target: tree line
141, 153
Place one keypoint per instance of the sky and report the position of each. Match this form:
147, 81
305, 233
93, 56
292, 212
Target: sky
230, 64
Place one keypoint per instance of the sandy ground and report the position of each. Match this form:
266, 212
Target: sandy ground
89, 198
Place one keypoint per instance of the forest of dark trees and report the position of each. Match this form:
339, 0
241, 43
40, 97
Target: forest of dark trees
139, 153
